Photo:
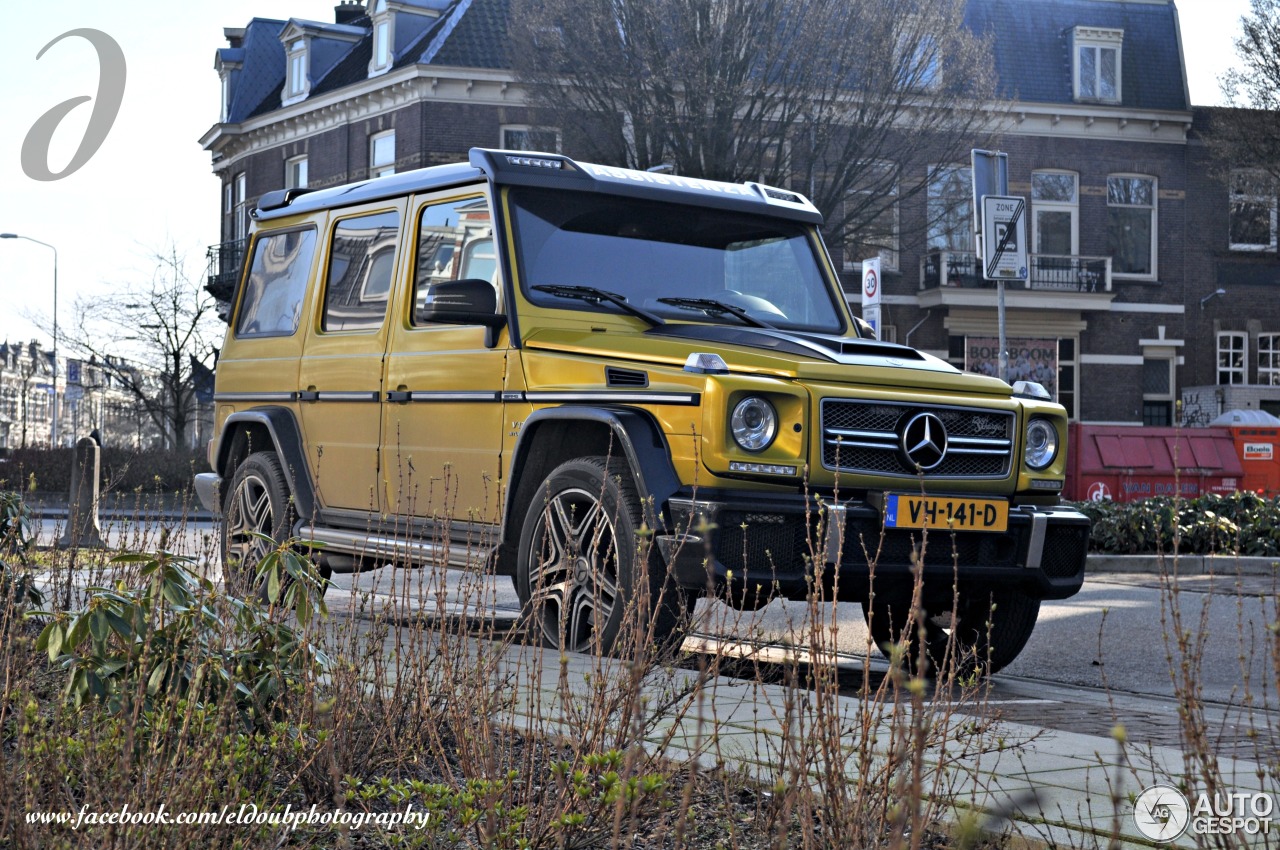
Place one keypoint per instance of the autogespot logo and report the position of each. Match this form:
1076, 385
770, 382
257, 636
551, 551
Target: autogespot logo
1161, 813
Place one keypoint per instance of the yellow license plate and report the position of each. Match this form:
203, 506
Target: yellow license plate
903, 510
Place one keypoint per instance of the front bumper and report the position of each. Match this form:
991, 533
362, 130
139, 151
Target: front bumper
209, 491
740, 541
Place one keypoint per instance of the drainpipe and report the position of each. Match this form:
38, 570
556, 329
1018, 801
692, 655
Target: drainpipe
907, 341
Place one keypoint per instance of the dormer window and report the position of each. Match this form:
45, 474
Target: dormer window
382, 53
226, 97
1097, 64
297, 84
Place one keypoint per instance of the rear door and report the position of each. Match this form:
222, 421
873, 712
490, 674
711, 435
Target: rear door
340, 375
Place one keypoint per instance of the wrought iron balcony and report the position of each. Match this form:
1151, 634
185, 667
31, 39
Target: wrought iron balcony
1048, 273
225, 262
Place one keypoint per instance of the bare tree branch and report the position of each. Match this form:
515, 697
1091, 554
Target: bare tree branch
830, 98
169, 322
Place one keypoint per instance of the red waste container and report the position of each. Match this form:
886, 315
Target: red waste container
1256, 435
1125, 463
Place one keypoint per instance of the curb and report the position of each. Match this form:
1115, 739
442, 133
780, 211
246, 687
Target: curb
1220, 565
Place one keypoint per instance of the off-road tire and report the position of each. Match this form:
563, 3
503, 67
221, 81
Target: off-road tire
257, 500
582, 570
988, 628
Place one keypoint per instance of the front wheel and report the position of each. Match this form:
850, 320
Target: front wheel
982, 631
582, 569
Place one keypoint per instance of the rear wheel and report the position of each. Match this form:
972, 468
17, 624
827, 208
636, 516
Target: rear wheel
582, 570
257, 503
983, 630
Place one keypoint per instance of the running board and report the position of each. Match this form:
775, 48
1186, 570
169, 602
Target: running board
362, 545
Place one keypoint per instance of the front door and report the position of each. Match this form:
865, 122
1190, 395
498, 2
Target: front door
442, 426
340, 376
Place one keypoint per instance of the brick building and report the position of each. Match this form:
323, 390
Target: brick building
1127, 223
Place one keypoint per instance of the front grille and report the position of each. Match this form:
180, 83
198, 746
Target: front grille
865, 436
1065, 548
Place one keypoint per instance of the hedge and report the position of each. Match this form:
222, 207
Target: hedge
1237, 523
123, 470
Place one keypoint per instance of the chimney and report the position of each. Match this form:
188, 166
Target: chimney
347, 11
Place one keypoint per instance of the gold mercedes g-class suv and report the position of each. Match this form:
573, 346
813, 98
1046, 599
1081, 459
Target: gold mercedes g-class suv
621, 388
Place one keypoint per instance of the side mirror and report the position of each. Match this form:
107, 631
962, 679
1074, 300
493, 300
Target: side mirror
470, 301
864, 328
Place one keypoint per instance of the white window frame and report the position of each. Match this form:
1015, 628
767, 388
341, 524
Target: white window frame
1269, 359
1155, 224
240, 212
383, 55
1237, 343
381, 169
1072, 207
292, 165
1096, 40
527, 129
1263, 193
226, 98
297, 82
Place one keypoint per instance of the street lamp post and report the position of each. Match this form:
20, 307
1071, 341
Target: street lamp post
53, 433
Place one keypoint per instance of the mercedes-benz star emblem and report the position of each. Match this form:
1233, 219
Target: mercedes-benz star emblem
924, 441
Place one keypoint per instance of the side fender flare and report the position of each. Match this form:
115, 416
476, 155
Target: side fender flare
286, 437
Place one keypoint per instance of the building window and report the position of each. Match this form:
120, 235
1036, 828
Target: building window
226, 97
381, 61
950, 208
1269, 359
873, 213
382, 154
295, 172
1233, 349
1055, 203
1097, 64
1158, 414
1252, 211
1131, 225
240, 212
518, 137
296, 85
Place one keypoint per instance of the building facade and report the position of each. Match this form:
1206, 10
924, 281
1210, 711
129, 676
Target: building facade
1129, 226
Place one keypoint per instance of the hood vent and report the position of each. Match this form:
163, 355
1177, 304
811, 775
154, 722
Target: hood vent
615, 377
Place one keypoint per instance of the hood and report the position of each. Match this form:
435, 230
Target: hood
778, 353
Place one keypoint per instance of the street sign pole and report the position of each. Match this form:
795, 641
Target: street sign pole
1004, 254
991, 177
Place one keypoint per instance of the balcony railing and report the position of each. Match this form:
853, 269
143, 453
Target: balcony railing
1048, 272
225, 262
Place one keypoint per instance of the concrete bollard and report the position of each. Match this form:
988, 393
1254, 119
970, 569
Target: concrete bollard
83, 531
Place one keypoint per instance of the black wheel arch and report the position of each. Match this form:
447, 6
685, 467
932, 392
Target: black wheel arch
553, 435
253, 430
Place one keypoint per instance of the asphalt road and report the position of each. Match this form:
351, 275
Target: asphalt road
1119, 633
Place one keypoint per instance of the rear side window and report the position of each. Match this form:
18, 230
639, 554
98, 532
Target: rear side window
277, 283
362, 262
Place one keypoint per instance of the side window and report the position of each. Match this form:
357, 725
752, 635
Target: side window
277, 282
362, 259
455, 241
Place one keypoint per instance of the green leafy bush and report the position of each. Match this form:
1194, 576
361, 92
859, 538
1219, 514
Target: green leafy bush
123, 470
1237, 523
178, 637
16, 534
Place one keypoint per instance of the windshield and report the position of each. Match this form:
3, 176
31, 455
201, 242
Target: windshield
676, 262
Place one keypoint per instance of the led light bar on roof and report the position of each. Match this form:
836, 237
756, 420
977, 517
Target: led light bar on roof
535, 162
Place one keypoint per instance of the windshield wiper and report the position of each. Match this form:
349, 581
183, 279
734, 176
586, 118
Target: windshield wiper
711, 305
590, 293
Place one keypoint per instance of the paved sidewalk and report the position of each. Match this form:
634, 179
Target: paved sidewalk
1062, 787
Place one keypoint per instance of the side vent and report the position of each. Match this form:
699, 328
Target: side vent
615, 377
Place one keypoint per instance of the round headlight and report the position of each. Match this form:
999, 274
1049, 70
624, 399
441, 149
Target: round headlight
754, 424
1042, 443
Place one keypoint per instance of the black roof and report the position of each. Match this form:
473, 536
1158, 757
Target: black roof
520, 168
1031, 43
